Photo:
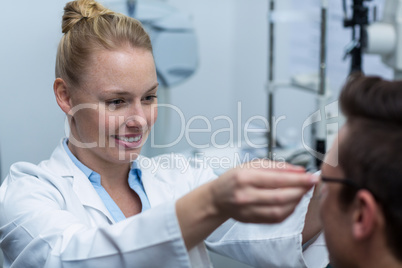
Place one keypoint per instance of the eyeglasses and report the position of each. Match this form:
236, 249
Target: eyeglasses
346, 182
349, 183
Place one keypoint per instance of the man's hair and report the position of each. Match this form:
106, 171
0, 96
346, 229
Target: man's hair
371, 153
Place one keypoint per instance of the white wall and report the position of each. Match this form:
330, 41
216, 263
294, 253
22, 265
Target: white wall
233, 42
30, 121
232, 38
209, 92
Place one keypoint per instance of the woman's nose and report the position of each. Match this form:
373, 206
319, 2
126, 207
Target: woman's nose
137, 117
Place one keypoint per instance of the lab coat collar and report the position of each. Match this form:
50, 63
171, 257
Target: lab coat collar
152, 183
83, 188
156, 187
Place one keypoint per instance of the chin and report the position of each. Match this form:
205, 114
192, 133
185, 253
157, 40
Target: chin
129, 155
134, 155
122, 156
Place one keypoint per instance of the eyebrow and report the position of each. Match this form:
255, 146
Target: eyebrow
120, 92
153, 88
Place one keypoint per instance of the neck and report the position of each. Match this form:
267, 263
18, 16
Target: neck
114, 175
385, 261
376, 255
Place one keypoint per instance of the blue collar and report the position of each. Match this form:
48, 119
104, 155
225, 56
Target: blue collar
89, 173
134, 181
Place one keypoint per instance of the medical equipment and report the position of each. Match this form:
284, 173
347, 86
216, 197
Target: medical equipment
173, 39
385, 37
316, 83
358, 23
321, 132
131, 6
377, 37
1, 174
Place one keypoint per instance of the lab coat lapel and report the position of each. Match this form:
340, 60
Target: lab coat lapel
88, 195
65, 168
158, 191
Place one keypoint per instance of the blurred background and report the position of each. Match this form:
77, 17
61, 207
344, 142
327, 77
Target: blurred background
213, 64
227, 74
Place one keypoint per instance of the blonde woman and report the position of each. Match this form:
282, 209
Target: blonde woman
97, 203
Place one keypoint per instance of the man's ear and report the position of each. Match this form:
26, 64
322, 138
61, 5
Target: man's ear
366, 215
62, 94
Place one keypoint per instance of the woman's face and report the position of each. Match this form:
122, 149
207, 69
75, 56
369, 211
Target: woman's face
114, 107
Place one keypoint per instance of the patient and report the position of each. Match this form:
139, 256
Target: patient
361, 203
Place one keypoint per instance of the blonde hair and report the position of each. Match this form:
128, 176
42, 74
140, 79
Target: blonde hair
88, 26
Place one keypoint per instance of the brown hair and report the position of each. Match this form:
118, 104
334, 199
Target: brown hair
87, 27
371, 153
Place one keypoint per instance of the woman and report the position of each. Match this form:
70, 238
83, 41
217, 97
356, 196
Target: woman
97, 203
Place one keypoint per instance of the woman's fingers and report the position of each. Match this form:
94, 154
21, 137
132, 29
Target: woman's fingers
266, 214
269, 197
272, 165
259, 193
274, 179
266, 205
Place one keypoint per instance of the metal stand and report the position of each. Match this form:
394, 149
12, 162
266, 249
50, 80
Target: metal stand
358, 23
320, 130
271, 84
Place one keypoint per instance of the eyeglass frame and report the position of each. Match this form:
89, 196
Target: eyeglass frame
348, 182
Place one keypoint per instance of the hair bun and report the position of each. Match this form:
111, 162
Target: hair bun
75, 11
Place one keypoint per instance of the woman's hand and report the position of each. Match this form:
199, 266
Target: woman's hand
255, 192
261, 191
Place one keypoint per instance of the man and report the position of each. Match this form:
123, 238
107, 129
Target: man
361, 197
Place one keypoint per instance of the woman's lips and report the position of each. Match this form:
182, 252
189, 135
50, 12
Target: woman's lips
128, 141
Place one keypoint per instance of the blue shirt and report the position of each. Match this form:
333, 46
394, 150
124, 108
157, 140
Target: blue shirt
134, 181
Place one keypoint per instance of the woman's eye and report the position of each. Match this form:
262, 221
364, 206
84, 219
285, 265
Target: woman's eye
112, 104
150, 98
116, 102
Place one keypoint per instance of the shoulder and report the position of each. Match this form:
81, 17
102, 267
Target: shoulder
43, 180
24, 171
27, 178
29, 188
58, 165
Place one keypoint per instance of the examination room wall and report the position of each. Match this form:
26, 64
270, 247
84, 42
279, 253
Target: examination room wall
232, 67
232, 40
233, 71
233, 44
31, 122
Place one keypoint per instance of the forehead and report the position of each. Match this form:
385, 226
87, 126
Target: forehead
120, 68
125, 59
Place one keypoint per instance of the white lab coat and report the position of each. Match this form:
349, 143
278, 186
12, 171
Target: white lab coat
51, 216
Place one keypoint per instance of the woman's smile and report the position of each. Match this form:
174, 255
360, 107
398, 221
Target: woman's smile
128, 141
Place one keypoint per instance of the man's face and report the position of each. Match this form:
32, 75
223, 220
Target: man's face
336, 221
